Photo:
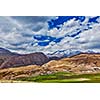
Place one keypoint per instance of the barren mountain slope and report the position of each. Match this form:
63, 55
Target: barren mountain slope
81, 64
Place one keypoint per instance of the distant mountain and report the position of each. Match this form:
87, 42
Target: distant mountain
69, 53
37, 58
64, 53
9, 59
4, 51
6, 54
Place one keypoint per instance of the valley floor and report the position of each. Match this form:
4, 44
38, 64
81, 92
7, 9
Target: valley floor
60, 77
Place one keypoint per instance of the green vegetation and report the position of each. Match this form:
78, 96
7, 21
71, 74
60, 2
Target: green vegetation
64, 77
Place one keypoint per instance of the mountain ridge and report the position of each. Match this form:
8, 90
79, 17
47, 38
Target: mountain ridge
9, 59
79, 64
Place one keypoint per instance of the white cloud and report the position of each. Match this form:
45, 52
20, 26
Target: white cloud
87, 40
17, 35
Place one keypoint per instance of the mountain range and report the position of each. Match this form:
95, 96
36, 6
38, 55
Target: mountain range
9, 59
83, 63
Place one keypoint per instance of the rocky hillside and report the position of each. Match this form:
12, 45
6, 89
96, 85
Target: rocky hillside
9, 59
37, 58
81, 64
13, 73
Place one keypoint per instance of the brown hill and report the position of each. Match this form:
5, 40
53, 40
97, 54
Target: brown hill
13, 73
82, 63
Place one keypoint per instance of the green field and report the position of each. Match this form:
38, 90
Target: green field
63, 77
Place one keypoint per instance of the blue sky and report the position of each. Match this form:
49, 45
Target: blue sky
48, 34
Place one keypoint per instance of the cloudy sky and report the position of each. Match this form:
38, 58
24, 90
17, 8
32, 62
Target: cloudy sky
48, 34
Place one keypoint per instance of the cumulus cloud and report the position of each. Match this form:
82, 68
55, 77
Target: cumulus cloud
87, 39
16, 33
31, 34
